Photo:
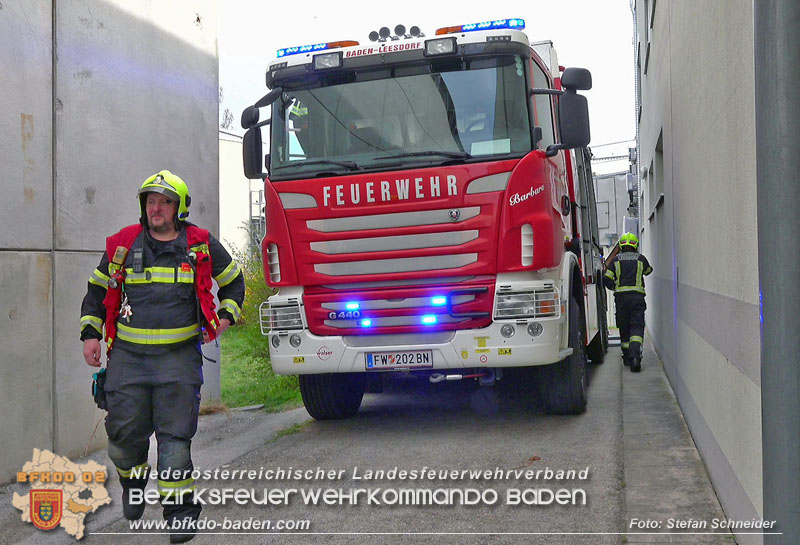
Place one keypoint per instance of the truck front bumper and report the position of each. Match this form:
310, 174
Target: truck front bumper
473, 348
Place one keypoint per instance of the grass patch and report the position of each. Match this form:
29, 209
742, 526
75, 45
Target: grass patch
247, 377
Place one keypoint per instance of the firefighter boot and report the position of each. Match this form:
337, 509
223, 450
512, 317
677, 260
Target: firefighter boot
132, 510
625, 357
181, 514
636, 357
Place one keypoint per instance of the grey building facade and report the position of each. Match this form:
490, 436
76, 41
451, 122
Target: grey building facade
96, 96
698, 226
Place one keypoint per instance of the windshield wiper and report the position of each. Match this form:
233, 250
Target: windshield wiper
349, 165
453, 154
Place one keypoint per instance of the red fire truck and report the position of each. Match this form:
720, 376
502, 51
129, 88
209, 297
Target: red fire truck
429, 209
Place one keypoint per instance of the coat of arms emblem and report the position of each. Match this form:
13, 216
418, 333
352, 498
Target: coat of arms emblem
46, 508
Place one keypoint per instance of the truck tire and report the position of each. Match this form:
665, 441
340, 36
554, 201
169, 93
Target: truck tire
599, 346
563, 384
332, 396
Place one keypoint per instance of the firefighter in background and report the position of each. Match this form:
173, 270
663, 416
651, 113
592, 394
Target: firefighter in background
298, 115
152, 293
625, 274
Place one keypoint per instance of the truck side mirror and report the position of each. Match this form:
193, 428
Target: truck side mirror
576, 79
573, 120
573, 111
249, 117
252, 152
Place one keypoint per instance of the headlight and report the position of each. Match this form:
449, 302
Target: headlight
327, 61
530, 303
285, 317
441, 46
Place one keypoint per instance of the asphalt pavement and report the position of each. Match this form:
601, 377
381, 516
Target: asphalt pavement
647, 476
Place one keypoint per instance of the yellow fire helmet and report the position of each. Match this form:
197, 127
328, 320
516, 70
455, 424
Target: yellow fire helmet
166, 183
629, 239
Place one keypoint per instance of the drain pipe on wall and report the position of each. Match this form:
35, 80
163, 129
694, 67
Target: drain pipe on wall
777, 102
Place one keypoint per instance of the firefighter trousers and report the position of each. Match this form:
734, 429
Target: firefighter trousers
630, 320
170, 410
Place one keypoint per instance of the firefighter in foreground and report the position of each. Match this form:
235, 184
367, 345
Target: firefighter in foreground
625, 274
152, 292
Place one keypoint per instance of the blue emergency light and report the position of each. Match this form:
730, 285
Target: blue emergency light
429, 319
301, 49
513, 24
351, 306
286, 51
517, 24
438, 301
366, 322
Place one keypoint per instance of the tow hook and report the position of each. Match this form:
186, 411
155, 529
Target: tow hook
439, 377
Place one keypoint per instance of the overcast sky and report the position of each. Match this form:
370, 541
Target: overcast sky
593, 34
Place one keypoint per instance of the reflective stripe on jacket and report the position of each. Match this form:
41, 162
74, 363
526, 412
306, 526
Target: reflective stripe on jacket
199, 274
626, 272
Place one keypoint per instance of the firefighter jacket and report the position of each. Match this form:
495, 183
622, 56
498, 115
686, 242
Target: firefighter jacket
626, 271
166, 286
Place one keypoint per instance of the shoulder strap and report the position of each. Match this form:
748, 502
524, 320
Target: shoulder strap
124, 237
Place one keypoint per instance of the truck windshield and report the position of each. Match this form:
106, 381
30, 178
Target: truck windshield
474, 110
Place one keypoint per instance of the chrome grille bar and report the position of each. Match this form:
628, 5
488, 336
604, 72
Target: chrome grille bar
394, 283
402, 242
408, 264
388, 221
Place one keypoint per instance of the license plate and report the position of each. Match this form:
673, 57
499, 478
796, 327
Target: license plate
410, 359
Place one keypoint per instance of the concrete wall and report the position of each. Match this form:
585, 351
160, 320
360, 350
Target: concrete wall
133, 89
698, 146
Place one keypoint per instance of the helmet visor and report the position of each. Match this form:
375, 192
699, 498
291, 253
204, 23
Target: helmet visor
163, 190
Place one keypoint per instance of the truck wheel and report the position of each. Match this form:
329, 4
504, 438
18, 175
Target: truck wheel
563, 384
332, 396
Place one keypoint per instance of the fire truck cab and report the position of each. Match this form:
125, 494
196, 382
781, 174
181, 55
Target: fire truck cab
429, 209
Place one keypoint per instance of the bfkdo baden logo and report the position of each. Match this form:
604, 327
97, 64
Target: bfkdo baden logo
61, 492
46, 508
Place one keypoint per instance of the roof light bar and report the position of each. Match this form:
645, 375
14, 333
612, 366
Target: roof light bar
285, 52
514, 24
